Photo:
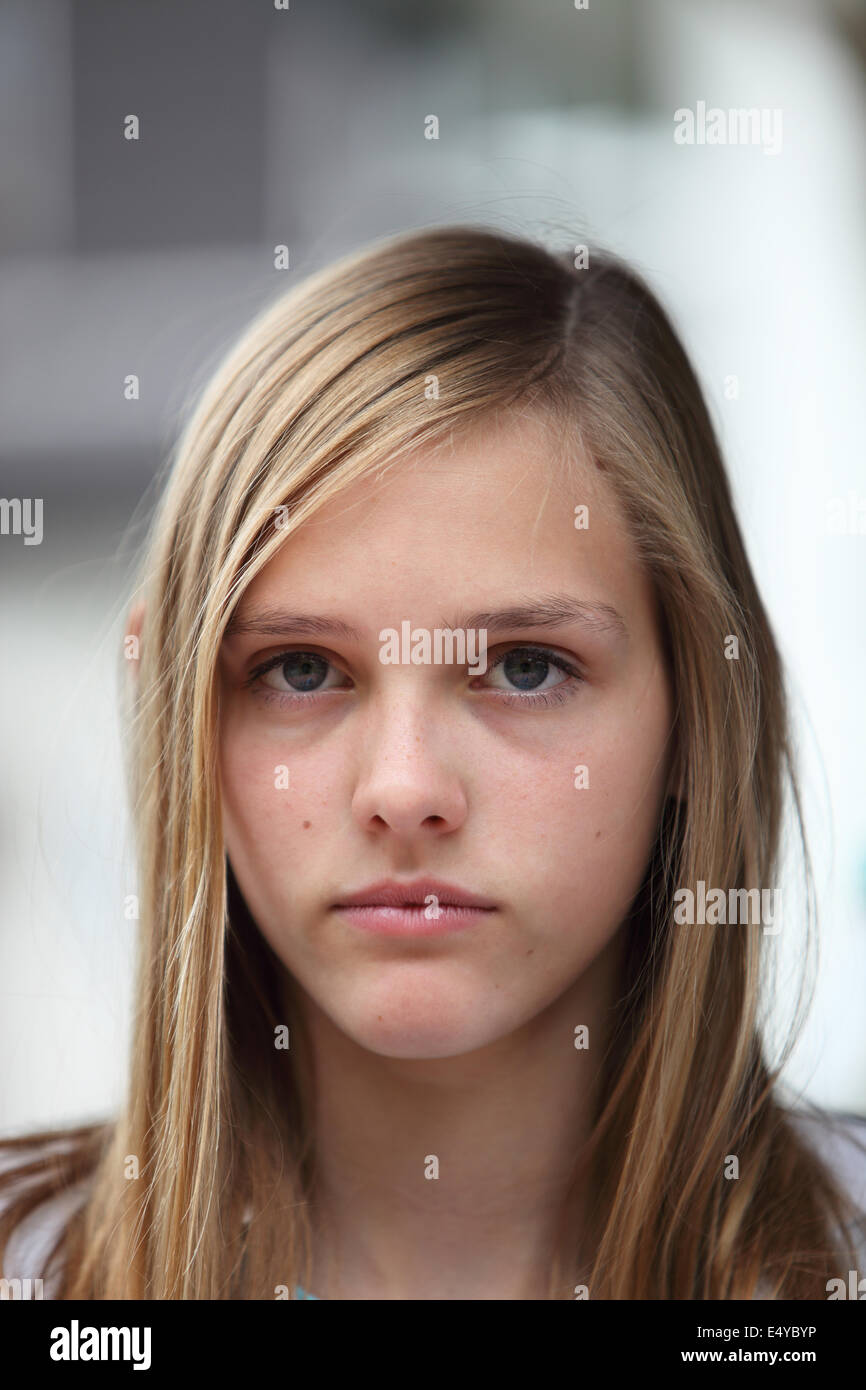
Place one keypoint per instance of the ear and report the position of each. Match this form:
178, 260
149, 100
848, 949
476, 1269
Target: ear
132, 635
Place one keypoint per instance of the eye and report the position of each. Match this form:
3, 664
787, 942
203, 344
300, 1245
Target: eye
295, 673
530, 669
298, 677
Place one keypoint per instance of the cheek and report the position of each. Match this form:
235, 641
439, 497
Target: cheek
271, 799
265, 803
595, 823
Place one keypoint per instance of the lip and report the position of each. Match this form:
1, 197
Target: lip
388, 892
425, 907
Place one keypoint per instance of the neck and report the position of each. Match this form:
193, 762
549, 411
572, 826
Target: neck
454, 1178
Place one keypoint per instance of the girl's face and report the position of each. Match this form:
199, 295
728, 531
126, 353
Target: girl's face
537, 785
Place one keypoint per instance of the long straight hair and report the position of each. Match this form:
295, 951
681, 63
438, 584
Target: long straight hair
200, 1187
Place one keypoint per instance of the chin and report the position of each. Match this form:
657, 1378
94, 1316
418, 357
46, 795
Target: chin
420, 1024
416, 1045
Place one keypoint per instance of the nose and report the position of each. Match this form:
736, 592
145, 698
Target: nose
408, 782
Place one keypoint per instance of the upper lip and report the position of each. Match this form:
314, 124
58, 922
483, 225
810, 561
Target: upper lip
390, 893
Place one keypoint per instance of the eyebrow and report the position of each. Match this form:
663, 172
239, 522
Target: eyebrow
548, 610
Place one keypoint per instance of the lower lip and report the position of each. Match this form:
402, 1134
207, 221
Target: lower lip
411, 921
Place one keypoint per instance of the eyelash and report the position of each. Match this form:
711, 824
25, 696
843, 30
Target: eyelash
541, 699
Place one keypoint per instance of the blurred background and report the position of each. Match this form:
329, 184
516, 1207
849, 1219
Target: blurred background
305, 127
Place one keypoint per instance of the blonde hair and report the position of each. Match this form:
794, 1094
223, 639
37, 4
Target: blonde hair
391, 348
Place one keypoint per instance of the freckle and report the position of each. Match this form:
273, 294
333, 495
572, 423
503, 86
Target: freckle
530, 951
597, 833
307, 824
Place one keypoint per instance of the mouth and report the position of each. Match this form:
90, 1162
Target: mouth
429, 893
427, 907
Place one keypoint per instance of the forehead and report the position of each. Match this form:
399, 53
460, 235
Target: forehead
474, 519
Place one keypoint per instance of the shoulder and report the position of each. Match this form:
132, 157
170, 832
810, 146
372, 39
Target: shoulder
839, 1139
29, 1245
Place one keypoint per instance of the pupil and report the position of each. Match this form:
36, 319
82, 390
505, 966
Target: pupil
526, 669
